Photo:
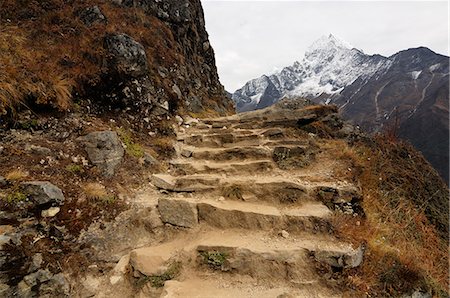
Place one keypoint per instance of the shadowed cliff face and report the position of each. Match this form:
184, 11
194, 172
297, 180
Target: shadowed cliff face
150, 56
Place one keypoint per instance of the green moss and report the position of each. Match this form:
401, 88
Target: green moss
15, 197
214, 259
132, 148
74, 168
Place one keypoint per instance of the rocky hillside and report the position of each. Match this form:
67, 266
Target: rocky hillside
112, 185
406, 92
148, 56
254, 204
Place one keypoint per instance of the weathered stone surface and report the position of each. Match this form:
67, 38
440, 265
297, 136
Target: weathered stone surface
150, 261
104, 150
51, 212
3, 181
92, 15
186, 153
127, 57
178, 212
341, 259
43, 192
33, 149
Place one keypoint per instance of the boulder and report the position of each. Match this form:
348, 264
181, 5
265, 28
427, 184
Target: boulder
104, 150
178, 212
43, 192
126, 57
92, 15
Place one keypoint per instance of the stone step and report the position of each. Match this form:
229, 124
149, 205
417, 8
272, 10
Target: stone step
275, 191
267, 258
311, 217
186, 183
227, 154
262, 256
189, 167
216, 285
227, 214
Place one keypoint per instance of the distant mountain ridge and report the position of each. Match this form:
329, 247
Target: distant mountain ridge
410, 88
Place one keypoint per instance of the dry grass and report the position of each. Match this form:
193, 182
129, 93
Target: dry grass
94, 190
405, 229
16, 175
47, 54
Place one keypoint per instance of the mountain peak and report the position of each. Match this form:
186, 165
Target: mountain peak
328, 42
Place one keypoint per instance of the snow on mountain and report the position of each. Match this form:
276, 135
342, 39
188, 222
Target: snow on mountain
328, 66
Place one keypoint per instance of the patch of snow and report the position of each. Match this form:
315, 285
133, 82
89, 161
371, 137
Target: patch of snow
434, 67
415, 74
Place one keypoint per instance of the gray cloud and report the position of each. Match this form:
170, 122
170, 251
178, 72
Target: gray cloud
255, 37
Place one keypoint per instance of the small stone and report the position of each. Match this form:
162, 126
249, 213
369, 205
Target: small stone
115, 279
51, 212
37, 150
284, 234
3, 181
36, 262
358, 223
221, 199
186, 153
179, 120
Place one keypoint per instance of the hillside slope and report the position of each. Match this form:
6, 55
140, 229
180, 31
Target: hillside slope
149, 56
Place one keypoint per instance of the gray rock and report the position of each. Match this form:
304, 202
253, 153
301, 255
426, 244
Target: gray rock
104, 150
179, 120
177, 91
178, 212
186, 153
37, 149
57, 286
3, 181
127, 57
24, 290
150, 160
36, 262
92, 15
40, 276
51, 212
341, 259
43, 192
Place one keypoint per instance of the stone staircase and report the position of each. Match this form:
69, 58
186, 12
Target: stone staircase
249, 227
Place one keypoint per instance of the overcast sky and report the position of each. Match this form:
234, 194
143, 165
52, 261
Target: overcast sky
251, 38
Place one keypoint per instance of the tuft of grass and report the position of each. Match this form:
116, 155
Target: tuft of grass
214, 259
132, 148
98, 193
16, 175
158, 281
74, 168
232, 192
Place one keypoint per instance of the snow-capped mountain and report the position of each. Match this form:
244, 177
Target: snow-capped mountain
329, 65
409, 90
